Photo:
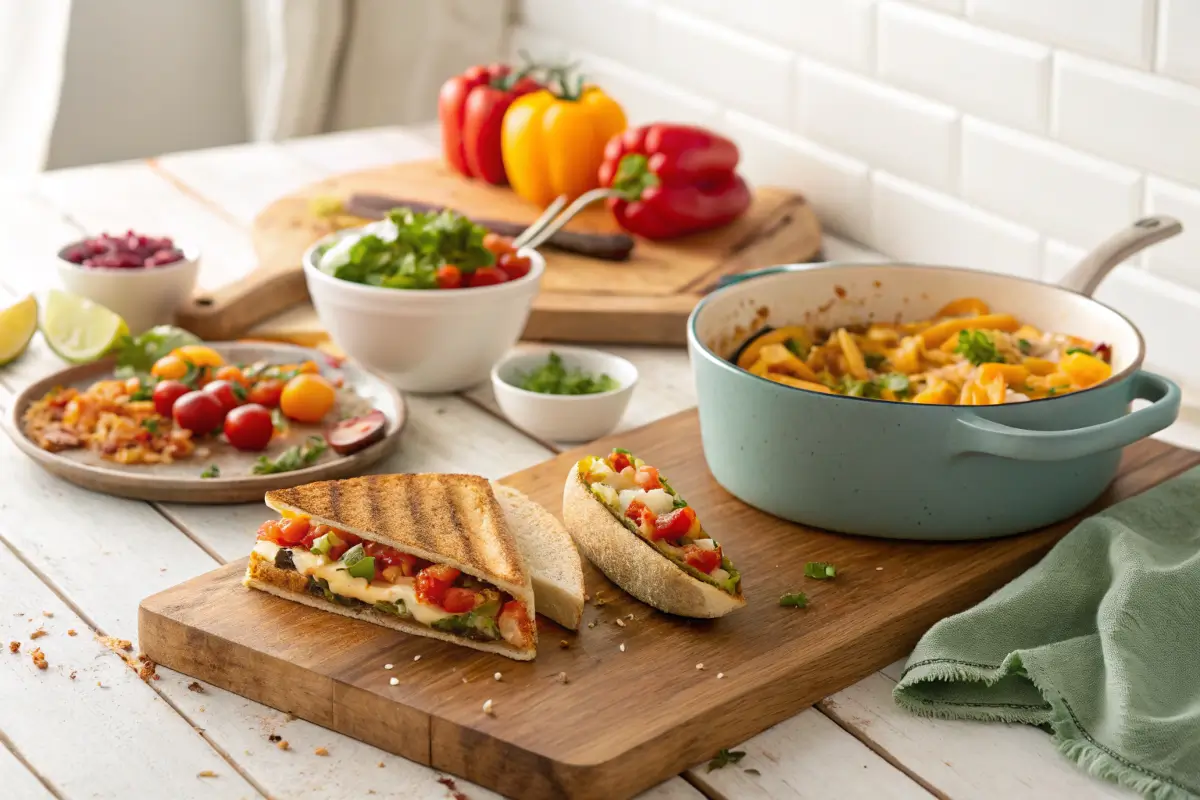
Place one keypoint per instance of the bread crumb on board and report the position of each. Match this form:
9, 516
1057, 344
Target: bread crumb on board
14, 647
115, 644
208, 773
39, 658
39, 633
488, 708
321, 751
561, 677
282, 744
71, 632
195, 686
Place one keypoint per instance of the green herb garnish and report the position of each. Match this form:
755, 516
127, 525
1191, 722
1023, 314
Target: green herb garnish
554, 377
895, 381
874, 360
1025, 346
151, 424
423, 243
295, 457
137, 354
856, 388
978, 347
798, 348
819, 570
1083, 350
794, 600
726, 757
278, 420
213, 471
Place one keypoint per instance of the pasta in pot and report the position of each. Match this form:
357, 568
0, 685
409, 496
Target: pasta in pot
966, 355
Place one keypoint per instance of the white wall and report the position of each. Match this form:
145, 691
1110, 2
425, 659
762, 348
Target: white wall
145, 77
1002, 134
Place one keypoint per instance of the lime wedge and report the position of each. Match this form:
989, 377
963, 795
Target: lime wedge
18, 323
78, 330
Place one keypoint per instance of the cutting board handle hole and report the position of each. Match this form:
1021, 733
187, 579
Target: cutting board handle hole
203, 302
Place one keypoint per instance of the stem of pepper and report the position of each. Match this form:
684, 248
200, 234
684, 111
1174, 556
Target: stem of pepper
633, 177
562, 76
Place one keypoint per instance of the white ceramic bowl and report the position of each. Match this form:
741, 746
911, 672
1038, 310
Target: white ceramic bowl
564, 418
142, 296
423, 340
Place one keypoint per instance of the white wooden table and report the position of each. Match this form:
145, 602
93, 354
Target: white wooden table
71, 560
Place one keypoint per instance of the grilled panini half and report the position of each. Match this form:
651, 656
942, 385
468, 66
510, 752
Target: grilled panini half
425, 554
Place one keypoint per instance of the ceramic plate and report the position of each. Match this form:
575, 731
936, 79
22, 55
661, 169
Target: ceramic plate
180, 482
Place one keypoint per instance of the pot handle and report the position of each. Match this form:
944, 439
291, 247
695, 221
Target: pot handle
1085, 276
978, 435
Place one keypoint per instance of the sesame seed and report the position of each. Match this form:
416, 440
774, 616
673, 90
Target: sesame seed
416, 658
394, 681
620, 623
700, 666
591, 624
496, 676
487, 708
720, 675
388, 666
622, 647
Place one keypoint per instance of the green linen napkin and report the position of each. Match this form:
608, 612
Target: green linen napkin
1099, 643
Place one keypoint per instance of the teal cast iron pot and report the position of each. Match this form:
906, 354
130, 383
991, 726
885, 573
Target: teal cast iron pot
902, 470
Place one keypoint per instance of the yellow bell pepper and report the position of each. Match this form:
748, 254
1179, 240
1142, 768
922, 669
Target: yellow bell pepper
553, 144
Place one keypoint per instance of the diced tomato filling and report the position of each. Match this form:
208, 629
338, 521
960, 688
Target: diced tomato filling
618, 461
647, 478
459, 601
433, 582
674, 524
704, 560
638, 512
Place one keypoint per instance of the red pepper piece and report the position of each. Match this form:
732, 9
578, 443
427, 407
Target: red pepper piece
675, 180
471, 107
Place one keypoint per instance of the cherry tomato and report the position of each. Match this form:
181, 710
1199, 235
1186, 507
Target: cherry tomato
433, 582
458, 601
514, 266
647, 478
292, 531
704, 560
638, 512
674, 524
169, 368
266, 392
270, 530
314, 532
309, 368
487, 276
618, 461
497, 244
199, 412
307, 398
199, 355
165, 395
231, 395
249, 427
449, 277
232, 374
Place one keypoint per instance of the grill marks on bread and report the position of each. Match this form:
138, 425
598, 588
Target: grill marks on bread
455, 517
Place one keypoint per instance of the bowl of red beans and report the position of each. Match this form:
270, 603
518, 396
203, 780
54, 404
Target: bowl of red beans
143, 278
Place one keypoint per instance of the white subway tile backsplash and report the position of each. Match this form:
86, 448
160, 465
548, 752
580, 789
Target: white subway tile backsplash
839, 32
1178, 258
894, 130
1178, 51
1118, 30
1058, 258
737, 70
1046, 185
912, 223
983, 72
618, 29
837, 187
948, 6
1138, 119
1166, 316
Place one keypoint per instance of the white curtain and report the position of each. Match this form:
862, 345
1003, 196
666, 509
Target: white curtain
320, 65
33, 43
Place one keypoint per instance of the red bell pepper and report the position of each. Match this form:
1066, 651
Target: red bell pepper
674, 180
471, 107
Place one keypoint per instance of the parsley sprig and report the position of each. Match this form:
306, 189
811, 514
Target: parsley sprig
294, 458
978, 347
819, 570
725, 757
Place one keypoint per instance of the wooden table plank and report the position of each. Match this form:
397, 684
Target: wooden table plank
18, 782
354, 150
71, 730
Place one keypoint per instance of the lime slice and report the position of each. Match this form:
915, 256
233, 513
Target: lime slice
18, 323
78, 330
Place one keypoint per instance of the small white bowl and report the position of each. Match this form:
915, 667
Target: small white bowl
564, 417
423, 340
142, 296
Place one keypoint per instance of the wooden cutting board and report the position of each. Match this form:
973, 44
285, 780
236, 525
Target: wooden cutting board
641, 301
623, 720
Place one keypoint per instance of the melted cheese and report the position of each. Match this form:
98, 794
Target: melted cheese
343, 583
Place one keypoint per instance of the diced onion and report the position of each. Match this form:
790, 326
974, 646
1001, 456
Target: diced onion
719, 574
705, 544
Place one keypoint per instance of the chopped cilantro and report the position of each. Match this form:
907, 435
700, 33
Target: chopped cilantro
150, 424
554, 377
726, 757
794, 600
797, 348
1083, 350
978, 347
819, 570
1025, 346
895, 381
213, 471
295, 457
874, 360
856, 388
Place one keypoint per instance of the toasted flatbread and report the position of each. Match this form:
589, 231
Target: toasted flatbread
632, 563
550, 557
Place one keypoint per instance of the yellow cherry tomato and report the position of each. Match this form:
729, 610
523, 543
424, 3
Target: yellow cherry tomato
169, 368
199, 355
307, 398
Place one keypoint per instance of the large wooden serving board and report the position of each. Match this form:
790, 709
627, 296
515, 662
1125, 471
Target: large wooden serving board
623, 720
644, 300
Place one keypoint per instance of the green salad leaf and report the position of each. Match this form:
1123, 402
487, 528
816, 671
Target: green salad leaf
137, 354
555, 377
295, 457
424, 242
